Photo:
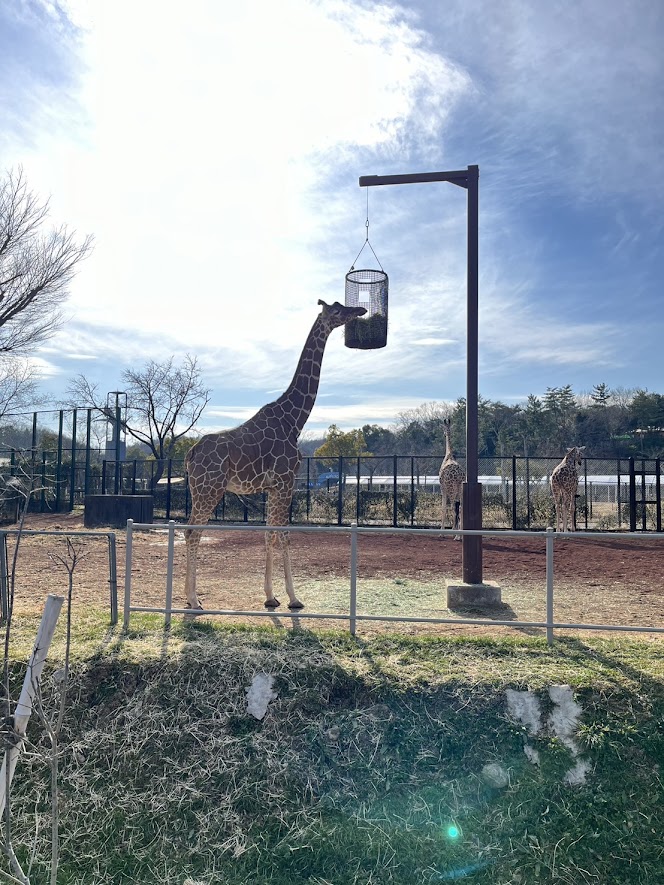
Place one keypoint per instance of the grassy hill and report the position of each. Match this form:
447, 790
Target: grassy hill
386, 760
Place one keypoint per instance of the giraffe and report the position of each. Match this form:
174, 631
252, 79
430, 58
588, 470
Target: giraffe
452, 477
564, 481
261, 455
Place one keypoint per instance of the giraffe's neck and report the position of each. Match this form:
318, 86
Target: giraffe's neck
298, 400
448, 447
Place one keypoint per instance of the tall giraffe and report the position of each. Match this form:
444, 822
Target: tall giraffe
564, 482
261, 455
452, 477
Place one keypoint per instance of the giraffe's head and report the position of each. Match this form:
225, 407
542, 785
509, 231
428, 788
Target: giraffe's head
574, 455
334, 315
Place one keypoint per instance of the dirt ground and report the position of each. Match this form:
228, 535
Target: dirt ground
600, 581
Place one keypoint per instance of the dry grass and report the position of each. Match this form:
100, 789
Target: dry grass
371, 750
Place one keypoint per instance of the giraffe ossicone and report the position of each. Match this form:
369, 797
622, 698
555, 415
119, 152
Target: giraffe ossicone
564, 483
261, 455
452, 477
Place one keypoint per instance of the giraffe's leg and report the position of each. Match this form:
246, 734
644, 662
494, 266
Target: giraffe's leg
200, 514
278, 506
293, 601
457, 517
270, 600
444, 516
192, 540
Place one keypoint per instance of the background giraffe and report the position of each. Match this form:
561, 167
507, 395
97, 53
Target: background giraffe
261, 455
452, 477
564, 482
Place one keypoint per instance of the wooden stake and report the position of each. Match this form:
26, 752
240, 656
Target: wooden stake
24, 707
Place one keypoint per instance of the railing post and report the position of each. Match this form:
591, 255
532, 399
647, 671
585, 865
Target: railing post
127, 596
169, 572
113, 577
549, 585
353, 577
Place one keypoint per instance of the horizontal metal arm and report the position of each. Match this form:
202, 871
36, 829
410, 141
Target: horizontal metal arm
459, 178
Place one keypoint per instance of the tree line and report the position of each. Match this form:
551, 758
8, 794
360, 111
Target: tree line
610, 423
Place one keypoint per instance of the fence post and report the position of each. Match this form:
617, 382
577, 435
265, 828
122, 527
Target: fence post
88, 437
4, 577
395, 468
632, 496
72, 478
169, 572
340, 490
308, 489
58, 471
658, 496
127, 595
549, 585
412, 490
514, 501
618, 491
353, 577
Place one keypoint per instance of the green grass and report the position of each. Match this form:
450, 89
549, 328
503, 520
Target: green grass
366, 768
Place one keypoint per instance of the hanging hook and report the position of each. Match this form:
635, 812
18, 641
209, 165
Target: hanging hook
366, 241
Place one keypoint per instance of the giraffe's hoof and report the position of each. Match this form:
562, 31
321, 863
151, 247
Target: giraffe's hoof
296, 604
272, 603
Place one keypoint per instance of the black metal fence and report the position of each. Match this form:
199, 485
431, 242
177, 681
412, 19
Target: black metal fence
394, 490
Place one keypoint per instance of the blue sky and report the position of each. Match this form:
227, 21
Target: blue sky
214, 150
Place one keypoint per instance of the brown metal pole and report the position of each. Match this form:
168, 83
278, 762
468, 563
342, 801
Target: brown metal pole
471, 549
472, 491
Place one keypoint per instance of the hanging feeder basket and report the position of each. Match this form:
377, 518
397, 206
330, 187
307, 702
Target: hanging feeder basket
367, 288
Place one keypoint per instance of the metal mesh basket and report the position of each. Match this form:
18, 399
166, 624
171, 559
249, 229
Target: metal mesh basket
367, 288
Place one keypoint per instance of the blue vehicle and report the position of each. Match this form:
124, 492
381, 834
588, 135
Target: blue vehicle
324, 480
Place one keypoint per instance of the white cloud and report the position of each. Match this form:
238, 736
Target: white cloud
214, 150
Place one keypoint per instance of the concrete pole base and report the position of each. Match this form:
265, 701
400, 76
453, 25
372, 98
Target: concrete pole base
460, 595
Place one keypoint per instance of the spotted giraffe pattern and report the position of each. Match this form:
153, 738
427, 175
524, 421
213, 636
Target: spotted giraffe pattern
564, 483
261, 455
452, 477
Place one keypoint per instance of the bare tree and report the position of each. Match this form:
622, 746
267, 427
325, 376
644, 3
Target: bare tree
36, 267
18, 385
165, 401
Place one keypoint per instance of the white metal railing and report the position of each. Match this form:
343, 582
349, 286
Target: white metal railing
112, 562
353, 617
